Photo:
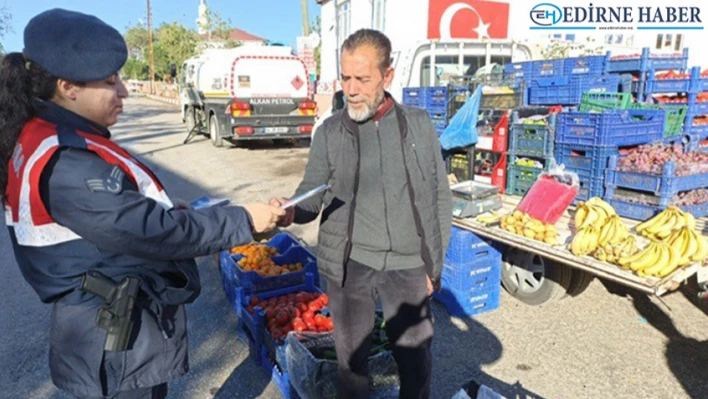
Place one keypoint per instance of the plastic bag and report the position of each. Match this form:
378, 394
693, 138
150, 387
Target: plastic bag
462, 129
551, 194
314, 377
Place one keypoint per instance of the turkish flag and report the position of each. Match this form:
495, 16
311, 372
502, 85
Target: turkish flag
467, 19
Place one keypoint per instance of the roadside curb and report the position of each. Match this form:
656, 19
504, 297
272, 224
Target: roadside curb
166, 100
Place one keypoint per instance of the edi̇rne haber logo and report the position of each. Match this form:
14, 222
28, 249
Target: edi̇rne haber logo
552, 16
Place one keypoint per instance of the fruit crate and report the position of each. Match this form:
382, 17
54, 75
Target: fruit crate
616, 127
493, 134
503, 101
534, 140
645, 61
690, 84
586, 160
547, 68
568, 90
521, 178
691, 103
459, 162
499, 93
278, 376
464, 304
589, 187
414, 96
255, 324
696, 142
674, 117
599, 102
290, 251
666, 184
641, 206
440, 125
490, 168
519, 70
432, 98
470, 263
592, 65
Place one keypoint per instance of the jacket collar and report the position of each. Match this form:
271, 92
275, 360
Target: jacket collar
58, 115
353, 126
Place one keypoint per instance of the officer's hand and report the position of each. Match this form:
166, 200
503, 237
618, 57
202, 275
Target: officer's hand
264, 216
181, 204
289, 217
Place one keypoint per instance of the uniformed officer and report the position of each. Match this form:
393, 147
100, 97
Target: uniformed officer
75, 202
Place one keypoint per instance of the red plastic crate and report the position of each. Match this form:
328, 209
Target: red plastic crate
499, 139
496, 175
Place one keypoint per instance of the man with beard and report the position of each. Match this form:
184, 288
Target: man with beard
386, 218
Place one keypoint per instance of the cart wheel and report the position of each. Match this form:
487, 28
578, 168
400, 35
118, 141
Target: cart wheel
579, 282
533, 279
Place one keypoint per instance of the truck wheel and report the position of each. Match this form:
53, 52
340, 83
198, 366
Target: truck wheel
216, 138
533, 279
190, 119
579, 282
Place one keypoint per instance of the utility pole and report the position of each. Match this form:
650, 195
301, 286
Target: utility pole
152, 59
305, 19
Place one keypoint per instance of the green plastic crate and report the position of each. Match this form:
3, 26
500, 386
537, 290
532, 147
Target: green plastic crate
675, 117
601, 101
520, 179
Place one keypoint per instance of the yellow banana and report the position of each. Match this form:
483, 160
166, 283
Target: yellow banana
649, 257
591, 219
702, 250
689, 220
600, 255
656, 220
575, 244
672, 265
625, 261
597, 201
607, 232
678, 241
661, 260
592, 240
581, 212
691, 248
663, 229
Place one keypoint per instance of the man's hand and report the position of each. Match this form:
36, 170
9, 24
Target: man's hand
264, 216
432, 288
181, 204
289, 216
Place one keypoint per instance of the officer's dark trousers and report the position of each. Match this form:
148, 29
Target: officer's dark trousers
409, 326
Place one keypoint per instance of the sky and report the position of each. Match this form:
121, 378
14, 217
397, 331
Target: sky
256, 17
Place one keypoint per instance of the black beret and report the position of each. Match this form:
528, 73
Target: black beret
74, 46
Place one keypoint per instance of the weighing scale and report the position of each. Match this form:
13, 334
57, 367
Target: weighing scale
471, 198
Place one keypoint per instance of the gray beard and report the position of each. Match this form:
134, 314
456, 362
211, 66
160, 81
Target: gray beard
368, 111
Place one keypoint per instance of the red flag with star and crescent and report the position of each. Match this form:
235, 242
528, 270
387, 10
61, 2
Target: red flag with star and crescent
467, 19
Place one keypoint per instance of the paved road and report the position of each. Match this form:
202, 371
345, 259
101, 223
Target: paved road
605, 343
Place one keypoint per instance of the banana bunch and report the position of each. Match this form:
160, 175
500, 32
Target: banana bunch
612, 251
658, 259
691, 246
585, 241
613, 231
665, 223
523, 224
593, 212
489, 217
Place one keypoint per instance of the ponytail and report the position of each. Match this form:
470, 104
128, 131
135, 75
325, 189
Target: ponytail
20, 82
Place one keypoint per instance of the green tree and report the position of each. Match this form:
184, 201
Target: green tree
219, 29
316, 26
173, 44
136, 39
136, 69
5, 27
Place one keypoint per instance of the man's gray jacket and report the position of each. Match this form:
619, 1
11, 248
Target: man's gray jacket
335, 159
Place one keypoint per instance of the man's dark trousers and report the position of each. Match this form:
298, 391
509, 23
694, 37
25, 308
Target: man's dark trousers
409, 327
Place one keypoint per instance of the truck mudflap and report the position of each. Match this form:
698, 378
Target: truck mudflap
271, 126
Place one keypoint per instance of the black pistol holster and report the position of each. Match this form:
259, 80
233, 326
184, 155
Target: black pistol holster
116, 314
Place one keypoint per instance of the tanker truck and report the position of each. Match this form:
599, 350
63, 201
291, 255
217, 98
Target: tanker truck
251, 92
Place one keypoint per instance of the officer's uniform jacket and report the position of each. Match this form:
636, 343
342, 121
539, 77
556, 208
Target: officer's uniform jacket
77, 201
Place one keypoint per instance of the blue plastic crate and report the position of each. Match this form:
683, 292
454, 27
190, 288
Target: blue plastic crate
437, 112
547, 68
290, 251
519, 69
589, 187
588, 65
696, 142
611, 128
532, 140
665, 184
436, 91
691, 84
414, 96
569, 90
466, 304
440, 125
278, 376
642, 211
646, 61
586, 160
465, 247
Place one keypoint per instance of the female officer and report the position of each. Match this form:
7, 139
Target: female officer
75, 202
